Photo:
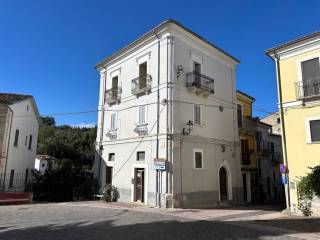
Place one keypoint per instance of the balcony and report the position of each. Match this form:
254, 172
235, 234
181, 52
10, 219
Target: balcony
141, 85
112, 134
245, 159
141, 129
199, 83
308, 89
276, 158
113, 95
264, 147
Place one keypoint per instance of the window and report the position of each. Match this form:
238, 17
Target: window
310, 69
113, 121
198, 161
239, 113
26, 141
115, 87
16, 138
141, 155
143, 75
197, 114
142, 114
111, 157
245, 156
278, 120
315, 130
30, 142
27, 107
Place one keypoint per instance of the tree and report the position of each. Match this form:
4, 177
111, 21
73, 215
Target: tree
75, 150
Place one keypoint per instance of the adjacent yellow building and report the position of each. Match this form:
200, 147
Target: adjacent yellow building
298, 78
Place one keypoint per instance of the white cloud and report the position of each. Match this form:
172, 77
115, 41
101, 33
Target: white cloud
85, 125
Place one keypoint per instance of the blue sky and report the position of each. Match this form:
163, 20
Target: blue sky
49, 48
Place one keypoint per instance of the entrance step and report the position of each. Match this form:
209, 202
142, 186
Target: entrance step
15, 198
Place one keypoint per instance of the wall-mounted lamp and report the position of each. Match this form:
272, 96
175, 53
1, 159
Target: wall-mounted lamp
179, 71
188, 129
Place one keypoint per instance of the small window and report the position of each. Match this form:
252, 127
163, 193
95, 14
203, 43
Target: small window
16, 138
278, 120
113, 121
198, 161
315, 130
26, 141
239, 114
43, 165
111, 157
27, 107
142, 115
141, 156
30, 142
197, 114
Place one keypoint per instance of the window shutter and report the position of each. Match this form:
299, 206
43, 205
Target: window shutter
113, 121
197, 114
141, 114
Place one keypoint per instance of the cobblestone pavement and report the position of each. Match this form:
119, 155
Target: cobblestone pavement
96, 220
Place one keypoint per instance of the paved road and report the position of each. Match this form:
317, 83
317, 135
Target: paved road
95, 221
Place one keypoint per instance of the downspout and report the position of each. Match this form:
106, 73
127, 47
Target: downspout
101, 128
158, 190
8, 144
284, 141
167, 120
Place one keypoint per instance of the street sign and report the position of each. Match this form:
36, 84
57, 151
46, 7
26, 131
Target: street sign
283, 169
159, 164
284, 180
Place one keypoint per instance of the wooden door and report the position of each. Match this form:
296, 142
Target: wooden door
139, 185
223, 184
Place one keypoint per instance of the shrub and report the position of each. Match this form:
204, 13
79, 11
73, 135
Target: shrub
305, 195
110, 193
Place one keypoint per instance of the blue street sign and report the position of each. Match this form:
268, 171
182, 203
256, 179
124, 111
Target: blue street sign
284, 180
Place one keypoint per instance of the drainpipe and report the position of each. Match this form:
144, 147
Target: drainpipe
101, 128
158, 190
284, 141
8, 144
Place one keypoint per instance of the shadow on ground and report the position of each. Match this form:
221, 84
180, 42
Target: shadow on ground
184, 229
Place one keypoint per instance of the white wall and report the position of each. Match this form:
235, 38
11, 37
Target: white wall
21, 157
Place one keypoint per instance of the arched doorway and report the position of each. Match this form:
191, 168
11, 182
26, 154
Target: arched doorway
223, 184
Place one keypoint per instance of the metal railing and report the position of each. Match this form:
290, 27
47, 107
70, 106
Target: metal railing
264, 146
17, 182
195, 79
308, 88
113, 95
141, 85
245, 159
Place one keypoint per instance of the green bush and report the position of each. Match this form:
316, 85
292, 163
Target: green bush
305, 195
110, 193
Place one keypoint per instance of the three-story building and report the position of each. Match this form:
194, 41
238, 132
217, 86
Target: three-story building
167, 129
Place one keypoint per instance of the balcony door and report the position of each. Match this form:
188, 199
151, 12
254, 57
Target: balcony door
245, 160
143, 75
114, 87
310, 70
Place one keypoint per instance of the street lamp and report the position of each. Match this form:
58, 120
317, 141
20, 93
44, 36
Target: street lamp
187, 130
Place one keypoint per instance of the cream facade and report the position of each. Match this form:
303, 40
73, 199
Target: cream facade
18, 140
298, 79
167, 130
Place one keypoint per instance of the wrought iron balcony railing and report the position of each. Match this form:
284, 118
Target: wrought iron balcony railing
141, 85
200, 81
141, 129
245, 159
308, 89
264, 146
113, 95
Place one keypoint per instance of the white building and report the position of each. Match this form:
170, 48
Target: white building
43, 162
169, 98
19, 124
